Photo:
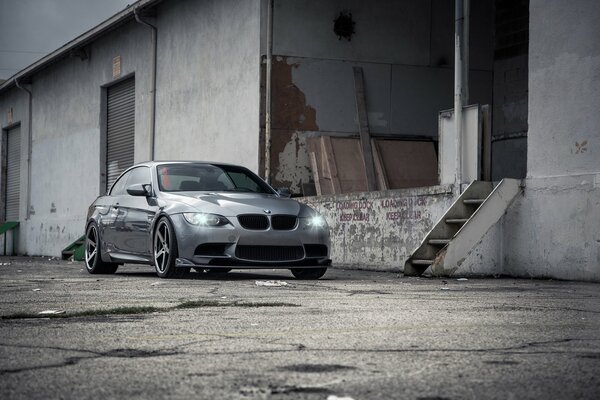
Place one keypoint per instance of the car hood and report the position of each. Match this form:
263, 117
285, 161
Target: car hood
230, 204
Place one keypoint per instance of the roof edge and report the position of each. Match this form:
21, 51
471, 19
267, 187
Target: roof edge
81, 40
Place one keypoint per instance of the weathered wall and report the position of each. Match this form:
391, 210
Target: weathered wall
207, 108
406, 50
65, 165
208, 81
553, 229
379, 230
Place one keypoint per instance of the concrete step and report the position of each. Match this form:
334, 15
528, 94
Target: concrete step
475, 202
422, 262
439, 242
459, 221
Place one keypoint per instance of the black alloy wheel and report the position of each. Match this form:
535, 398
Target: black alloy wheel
165, 251
93, 258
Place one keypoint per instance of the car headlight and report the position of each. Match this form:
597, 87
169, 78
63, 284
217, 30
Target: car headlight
317, 221
204, 219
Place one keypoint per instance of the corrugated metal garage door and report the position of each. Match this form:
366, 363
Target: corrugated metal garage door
13, 174
120, 129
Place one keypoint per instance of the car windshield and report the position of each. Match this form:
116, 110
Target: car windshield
208, 177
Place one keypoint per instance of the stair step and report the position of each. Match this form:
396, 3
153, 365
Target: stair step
442, 242
422, 262
456, 220
473, 201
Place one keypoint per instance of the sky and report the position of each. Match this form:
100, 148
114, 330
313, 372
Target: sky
30, 29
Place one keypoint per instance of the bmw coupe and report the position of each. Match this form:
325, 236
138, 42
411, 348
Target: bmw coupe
212, 217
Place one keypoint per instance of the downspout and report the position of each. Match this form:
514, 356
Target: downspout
268, 92
153, 79
29, 143
458, 85
465, 51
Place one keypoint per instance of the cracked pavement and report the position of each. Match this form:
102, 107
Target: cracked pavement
366, 335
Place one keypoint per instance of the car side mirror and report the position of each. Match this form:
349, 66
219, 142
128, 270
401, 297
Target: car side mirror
284, 192
140, 189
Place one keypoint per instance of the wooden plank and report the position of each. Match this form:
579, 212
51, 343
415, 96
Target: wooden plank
329, 163
382, 180
315, 171
409, 163
363, 128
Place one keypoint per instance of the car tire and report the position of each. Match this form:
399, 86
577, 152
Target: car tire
93, 254
164, 251
308, 273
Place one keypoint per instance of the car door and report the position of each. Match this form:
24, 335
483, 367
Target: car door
134, 217
107, 222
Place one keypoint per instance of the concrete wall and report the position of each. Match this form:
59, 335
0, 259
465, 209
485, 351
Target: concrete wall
379, 230
208, 81
560, 210
65, 166
552, 230
207, 108
406, 50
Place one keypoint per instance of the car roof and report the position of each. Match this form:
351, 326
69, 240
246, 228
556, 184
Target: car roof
159, 162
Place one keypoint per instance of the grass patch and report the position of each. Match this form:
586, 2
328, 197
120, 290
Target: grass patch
147, 310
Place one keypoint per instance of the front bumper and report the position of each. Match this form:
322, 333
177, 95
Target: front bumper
234, 246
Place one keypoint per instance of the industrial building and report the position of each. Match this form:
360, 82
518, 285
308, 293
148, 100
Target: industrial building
380, 114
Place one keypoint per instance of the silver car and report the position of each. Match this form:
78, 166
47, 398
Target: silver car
212, 217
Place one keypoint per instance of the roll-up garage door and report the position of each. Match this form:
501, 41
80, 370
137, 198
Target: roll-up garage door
13, 174
120, 129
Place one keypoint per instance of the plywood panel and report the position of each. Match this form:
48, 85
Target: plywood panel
408, 163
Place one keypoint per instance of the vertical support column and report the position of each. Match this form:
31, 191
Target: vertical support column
458, 85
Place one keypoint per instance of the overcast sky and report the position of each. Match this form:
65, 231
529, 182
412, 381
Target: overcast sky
30, 29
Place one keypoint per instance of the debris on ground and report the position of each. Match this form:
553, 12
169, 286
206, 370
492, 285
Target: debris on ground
156, 283
462, 279
36, 290
271, 283
51, 312
444, 288
334, 397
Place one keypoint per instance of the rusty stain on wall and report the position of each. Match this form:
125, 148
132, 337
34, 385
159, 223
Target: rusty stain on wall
291, 116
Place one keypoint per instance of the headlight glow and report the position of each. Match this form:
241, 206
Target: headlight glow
204, 219
317, 221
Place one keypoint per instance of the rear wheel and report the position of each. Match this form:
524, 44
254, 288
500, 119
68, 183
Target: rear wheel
93, 259
308, 273
165, 251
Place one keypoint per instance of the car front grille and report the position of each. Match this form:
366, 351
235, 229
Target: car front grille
283, 222
269, 253
254, 222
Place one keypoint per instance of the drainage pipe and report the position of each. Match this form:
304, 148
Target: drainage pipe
268, 91
139, 19
458, 85
465, 52
29, 143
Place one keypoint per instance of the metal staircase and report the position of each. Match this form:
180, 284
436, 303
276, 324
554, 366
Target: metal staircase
449, 242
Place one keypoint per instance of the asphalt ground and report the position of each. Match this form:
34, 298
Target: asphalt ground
352, 334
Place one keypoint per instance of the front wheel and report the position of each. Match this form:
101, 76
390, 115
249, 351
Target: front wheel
93, 259
308, 273
165, 251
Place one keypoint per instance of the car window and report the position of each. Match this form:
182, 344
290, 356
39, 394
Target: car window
118, 187
206, 177
139, 175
